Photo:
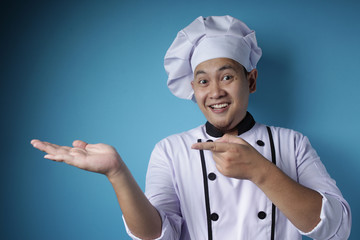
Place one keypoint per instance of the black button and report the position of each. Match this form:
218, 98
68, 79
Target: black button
214, 216
212, 176
209, 140
261, 215
260, 143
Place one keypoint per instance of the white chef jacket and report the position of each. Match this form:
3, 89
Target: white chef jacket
237, 209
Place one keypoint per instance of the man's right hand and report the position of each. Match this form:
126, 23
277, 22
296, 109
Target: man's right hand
140, 215
100, 158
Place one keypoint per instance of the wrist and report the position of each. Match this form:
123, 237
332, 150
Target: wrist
263, 172
116, 174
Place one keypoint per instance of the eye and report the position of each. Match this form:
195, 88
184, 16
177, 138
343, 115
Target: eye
203, 81
227, 77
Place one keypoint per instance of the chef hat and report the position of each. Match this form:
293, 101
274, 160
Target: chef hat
205, 39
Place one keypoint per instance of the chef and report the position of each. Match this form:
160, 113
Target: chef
231, 178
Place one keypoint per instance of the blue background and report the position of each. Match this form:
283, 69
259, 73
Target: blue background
93, 70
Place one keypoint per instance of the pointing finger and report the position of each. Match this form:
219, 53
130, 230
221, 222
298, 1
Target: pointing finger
212, 146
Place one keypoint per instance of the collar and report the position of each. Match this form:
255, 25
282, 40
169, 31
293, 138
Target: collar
244, 125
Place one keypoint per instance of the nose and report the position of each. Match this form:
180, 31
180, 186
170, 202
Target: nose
216, 91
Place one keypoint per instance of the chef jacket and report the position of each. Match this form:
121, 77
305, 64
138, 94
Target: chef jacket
195, 201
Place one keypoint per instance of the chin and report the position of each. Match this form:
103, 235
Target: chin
223, 126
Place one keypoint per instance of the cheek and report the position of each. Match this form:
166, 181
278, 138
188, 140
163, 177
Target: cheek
199, 96
241, 89
201, 101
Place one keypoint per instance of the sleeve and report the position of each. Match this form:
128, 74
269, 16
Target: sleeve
161, 193
335, 212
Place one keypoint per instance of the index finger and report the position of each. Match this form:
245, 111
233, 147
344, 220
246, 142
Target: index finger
212, 146
38, 144
45, 146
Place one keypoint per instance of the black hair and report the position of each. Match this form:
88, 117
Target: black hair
245, 72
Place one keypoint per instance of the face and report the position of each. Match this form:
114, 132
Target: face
222, 91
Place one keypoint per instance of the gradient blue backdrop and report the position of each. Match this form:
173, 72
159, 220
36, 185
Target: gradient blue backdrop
92, 70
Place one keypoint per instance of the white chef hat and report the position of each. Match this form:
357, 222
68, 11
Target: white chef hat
205, 39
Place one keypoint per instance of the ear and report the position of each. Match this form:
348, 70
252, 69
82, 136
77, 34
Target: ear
252, 76
192, 84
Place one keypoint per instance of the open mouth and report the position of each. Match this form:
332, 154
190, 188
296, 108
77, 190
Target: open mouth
219, 106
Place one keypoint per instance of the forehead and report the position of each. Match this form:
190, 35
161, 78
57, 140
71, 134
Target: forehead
217, 64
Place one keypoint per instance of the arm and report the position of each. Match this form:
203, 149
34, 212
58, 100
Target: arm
142, 218
301, 205
235, 158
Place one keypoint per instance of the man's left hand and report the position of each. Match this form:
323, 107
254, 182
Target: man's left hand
236, 158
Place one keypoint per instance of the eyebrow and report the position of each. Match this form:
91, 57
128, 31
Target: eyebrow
199, 72
227, 66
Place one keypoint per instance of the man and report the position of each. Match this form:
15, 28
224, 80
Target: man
231, 178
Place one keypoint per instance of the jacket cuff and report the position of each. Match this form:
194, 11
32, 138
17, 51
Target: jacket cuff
335, 220
167, 230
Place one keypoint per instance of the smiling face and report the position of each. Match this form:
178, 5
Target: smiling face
222, 91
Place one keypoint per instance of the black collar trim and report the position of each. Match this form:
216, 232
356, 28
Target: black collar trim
245, 125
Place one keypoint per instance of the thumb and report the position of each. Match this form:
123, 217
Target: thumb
79, 144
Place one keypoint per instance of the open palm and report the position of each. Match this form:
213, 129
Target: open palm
100, 158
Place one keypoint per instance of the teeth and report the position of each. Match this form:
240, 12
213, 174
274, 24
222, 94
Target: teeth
223, 105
